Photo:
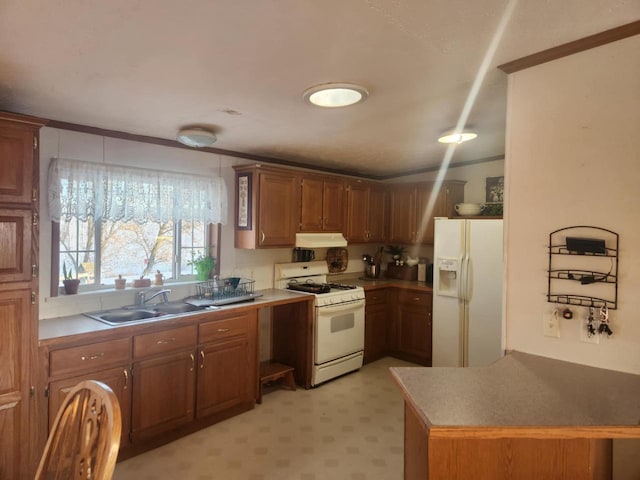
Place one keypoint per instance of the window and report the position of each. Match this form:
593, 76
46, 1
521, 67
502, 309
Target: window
113, 221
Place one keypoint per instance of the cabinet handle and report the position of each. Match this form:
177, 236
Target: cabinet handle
193, 362
262, 236
202, 357
92, 357
223, 330
126, 378
164, 342
417, 299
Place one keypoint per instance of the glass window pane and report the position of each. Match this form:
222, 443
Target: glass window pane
134, 250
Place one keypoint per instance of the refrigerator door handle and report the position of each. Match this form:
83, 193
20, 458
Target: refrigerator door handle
468, 290
460, 278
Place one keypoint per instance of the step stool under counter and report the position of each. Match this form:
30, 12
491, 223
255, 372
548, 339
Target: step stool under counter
524, 417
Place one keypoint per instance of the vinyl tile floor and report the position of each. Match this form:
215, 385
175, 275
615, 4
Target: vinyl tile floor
350, 428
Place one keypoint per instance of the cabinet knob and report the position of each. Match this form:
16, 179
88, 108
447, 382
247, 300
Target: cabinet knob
92, 357
202, 358
164, 342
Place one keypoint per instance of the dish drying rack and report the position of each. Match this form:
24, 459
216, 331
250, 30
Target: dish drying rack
225, 290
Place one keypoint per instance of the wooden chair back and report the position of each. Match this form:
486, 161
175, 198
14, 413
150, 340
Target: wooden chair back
84, 439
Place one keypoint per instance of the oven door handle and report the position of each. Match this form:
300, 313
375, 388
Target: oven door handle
337, 307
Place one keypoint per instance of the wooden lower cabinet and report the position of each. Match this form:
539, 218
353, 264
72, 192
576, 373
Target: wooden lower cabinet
163, 394
398, 323
376, 325
224, 378
170, 381
118, 379
413, 326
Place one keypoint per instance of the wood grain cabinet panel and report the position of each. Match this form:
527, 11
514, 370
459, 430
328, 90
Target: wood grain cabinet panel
413, 326
15, 245
321, 204
18, 141
118, 379
366, 212
15, 307
273, 208
163, 342
376, 325
163, 394
89, 358
19, 179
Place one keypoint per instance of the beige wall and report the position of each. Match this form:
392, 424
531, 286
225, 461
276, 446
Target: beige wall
573, 158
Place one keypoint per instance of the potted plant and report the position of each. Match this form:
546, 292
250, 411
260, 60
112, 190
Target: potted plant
203, 265
70, 284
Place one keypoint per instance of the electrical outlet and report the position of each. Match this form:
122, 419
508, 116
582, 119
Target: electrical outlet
595, 338
550, 325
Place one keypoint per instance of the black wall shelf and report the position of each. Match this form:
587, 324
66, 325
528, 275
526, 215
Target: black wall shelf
572, 284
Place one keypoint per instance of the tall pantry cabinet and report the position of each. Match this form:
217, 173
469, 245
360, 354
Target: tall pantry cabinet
19, 174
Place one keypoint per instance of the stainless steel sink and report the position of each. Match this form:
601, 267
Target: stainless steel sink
138, 313
176, 307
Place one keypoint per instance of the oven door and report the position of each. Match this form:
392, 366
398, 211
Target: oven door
339, 330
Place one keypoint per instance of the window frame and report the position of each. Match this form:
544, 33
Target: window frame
212, 241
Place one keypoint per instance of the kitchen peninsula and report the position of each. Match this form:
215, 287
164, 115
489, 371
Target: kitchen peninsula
524, 417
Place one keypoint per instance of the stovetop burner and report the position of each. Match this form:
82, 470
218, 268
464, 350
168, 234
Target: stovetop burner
309, 287
341, 286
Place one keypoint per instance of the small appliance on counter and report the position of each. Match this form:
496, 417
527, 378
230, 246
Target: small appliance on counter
372, 264
303, 254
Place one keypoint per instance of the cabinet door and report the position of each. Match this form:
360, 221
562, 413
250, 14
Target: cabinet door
414, 326
357, 212
118, 379
333, 205
15, 245
224, 376
16, 342
277, 210
402, 213
163, 394
17, 147
424, 217
377, 215
375, 332
311, 204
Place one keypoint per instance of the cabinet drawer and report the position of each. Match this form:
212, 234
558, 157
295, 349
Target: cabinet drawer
414, 297
376, 297
224, 328
90, 358
164, 342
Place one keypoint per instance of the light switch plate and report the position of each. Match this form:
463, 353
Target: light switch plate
550, 325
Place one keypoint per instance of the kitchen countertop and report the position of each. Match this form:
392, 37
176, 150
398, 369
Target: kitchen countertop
377, 283
53, 328
523, 390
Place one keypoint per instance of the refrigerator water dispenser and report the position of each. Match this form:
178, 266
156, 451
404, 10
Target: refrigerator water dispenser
447, 281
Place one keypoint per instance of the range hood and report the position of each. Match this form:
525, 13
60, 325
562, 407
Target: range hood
320, 240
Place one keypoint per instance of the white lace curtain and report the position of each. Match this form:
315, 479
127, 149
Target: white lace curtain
110, 192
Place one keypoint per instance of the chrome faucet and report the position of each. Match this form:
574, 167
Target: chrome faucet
141, 298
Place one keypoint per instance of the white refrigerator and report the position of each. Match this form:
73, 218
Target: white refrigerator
467, 300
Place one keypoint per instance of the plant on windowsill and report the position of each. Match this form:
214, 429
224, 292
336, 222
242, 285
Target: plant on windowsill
203, 265
70, 284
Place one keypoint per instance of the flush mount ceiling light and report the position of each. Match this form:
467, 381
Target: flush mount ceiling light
196, 137
457, 137
331, 95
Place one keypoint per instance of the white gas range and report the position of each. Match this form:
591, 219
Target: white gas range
338, 324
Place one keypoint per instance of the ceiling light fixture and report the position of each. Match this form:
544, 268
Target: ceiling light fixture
331, 95
196, 137
458, 137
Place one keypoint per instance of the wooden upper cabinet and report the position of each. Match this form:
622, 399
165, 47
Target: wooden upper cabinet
269, 214
402, 214
366, 212
411, 221
15, 245
18, 144
322, 204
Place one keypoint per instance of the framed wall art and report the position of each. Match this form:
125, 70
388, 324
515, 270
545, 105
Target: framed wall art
243, 188
495, 190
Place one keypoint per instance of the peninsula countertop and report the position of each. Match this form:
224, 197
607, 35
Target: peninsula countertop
524, 390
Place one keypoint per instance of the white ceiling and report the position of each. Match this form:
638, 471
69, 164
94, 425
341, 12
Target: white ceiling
149, 67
